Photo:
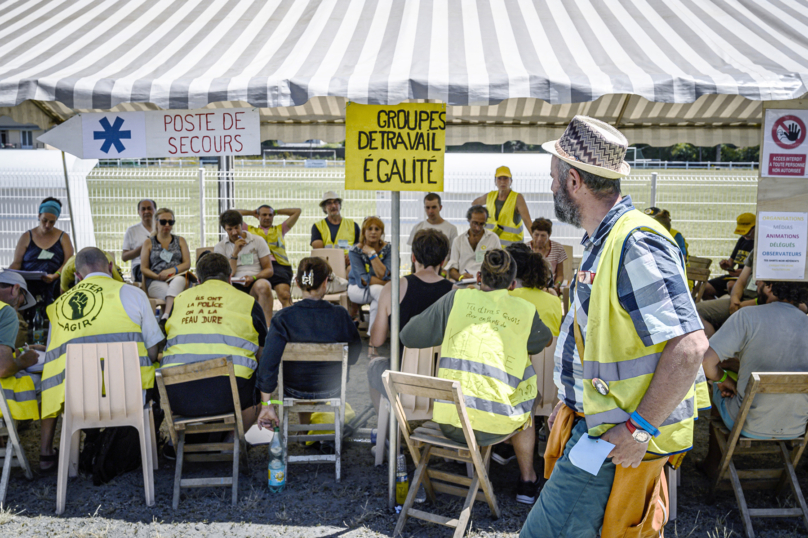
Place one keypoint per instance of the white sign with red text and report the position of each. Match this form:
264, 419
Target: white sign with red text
159, 133
785, 149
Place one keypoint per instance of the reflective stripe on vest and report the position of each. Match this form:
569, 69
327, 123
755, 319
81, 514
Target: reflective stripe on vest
212, 320
19, 389
485, 348
629, 365
345, 231
91, 312
505, 227
275, 241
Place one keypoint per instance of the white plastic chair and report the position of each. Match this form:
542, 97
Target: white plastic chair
14, 453
103, 389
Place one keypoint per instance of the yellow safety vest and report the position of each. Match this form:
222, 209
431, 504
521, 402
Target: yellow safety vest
485, 348
90, 312
274, 238
504, 226
344, 233
616, 355
20, 392
548, 306
209, 321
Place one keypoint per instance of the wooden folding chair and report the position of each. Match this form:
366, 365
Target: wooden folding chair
336, 259
699, 276
179, 426
733, 444
14, 453
318, 353
413, 361
103, 389
428, 441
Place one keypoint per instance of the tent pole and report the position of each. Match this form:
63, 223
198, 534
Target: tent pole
395, 297
70, 203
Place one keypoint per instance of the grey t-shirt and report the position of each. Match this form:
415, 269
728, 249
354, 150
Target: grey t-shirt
767, 338
9, 325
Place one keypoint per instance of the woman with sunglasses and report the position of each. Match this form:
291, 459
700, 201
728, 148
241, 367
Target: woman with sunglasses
162, 257
370, 266
45, 248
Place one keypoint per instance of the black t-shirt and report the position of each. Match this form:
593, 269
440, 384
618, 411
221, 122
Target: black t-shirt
333, 228
742, 250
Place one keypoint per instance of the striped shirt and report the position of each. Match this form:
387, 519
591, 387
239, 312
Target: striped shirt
651, 286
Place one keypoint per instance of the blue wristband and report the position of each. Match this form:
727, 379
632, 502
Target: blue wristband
644, 424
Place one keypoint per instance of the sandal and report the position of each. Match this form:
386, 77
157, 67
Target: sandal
54, 459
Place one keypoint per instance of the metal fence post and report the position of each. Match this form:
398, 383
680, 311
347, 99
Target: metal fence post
201, 206
652, 201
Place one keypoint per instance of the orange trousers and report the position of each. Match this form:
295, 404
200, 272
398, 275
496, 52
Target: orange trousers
638, 503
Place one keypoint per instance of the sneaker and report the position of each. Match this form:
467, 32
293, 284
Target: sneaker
527, 492
503, 453
169, 453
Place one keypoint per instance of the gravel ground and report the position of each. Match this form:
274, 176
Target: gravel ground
315, 505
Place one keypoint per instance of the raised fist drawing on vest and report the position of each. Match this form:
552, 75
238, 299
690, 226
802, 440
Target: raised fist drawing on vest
78, 303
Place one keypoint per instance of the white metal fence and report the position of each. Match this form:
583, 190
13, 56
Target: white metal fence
703, 204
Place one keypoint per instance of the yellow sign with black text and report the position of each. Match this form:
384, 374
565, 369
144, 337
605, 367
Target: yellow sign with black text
395, 147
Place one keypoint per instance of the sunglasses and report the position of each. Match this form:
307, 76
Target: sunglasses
163, 222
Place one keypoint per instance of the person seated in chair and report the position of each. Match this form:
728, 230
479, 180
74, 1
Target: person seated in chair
312, 320
771, 337
721, 285
532, 276
212, 320
486, 338
418, 292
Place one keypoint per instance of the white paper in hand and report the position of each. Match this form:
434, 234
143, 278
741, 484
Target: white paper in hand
589, 454
40, 364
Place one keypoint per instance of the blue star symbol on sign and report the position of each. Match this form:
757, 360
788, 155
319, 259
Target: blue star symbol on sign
112, 134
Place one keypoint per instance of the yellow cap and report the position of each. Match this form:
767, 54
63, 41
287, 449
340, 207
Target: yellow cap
503, 171
746, 222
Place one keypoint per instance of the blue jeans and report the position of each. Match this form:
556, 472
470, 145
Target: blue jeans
572, 502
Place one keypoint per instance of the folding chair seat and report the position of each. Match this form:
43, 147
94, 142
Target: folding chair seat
732, 444
14, 454
428, 441
318, 353
179, 426
103, 389
413, 361
699, 276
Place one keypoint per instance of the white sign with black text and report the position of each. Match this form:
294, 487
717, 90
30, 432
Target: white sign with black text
780, 246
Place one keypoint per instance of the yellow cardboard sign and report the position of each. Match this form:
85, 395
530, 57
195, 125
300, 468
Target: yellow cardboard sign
395, 147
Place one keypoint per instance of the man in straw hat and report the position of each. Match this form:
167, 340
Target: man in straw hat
628, 354
507, 209
334, 231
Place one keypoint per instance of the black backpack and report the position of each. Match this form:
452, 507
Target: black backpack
110, 452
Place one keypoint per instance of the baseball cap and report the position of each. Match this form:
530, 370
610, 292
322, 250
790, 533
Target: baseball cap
503, 171
10, 277
746, 221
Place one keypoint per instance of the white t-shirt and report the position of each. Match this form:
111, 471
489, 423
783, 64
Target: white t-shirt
134, 237
248, 263
448, 229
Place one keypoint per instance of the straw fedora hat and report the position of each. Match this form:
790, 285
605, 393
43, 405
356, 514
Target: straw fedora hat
593, 146
330, 195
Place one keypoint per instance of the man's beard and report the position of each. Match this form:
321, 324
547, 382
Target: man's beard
565, 209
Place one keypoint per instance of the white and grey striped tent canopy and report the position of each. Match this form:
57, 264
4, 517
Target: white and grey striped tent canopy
663, 71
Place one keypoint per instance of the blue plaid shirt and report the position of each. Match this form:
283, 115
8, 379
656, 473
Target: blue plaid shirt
651, 286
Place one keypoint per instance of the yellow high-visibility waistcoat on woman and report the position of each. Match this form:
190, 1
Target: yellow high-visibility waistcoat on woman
345, 232
20, 392
209, 321
90, 312
485, 348
616, 355
504, 226
275, 240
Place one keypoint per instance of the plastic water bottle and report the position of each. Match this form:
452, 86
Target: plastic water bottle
402, 482
39, 328
277, 464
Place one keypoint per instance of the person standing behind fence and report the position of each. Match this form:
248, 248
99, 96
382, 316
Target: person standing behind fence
370, 266
507, 209
628, 354
162, 258
138, 234
46, 249
281, 279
